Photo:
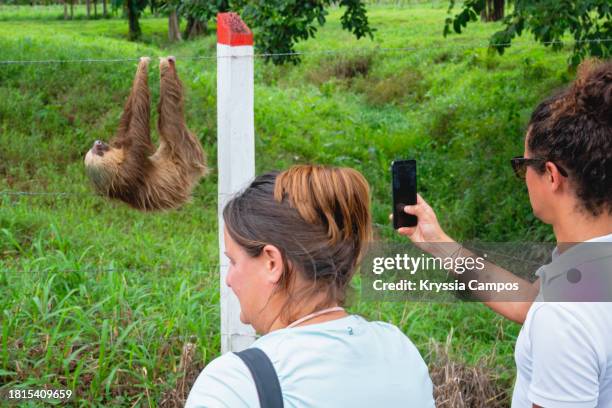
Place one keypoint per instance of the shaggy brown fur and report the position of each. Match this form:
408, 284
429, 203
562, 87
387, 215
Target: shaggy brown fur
129, 168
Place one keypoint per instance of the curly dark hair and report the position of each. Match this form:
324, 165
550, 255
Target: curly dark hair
574, 129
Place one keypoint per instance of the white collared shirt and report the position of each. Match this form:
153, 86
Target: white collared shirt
564, 350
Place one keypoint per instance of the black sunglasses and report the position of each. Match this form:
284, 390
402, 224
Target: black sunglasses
520, 163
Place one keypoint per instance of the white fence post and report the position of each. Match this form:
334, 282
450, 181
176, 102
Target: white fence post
235, 151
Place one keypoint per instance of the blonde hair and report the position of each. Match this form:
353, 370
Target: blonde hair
319, 219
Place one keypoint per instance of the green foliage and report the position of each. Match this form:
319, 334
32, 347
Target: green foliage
408, 84
279, 24
342, 67
589, 22
133, 9
202, 10
353, 72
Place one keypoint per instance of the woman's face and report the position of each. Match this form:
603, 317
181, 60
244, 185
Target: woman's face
253, 280
538, 188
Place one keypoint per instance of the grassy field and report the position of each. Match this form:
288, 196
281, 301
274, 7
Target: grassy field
108, 302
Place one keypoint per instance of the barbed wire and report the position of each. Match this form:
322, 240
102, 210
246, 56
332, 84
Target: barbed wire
15, 193
87, 60
48, 270
334, 51
407, 49
43, 193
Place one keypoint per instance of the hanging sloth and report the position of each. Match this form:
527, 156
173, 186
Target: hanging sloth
129, 168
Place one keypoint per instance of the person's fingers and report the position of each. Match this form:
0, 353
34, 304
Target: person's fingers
417, 210
427, 208
421, 201
407, 231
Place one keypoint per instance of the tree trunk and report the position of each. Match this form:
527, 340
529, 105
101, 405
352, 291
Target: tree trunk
483, 13
133, 20
174, 31
71, 9
88, 5
65, 10
493, 10
498, 12
95, 8
195, 28
104, 8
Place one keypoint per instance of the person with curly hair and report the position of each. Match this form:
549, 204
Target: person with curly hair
564, 350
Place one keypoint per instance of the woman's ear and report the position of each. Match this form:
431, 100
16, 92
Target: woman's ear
554, 177
274, 263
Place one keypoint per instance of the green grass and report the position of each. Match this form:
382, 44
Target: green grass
101, 299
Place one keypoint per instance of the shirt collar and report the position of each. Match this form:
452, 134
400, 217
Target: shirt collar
602, 238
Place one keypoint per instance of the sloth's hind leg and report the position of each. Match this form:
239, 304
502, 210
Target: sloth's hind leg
171, 122
180, 143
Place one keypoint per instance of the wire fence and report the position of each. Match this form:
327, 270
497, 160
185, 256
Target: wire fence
336, 51
14, 193
44, 193
111, 269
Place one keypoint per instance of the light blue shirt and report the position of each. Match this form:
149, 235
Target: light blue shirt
348, 362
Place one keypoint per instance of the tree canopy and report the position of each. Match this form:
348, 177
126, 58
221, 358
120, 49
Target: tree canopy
589, 22
280, 24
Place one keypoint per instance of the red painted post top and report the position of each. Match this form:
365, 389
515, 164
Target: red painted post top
231, 30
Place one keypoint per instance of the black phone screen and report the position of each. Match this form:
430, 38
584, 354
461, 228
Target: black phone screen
403, 173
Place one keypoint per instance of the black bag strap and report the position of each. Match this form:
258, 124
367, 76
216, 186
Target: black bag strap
264, 376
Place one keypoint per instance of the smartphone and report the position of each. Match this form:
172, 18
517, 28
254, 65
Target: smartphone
404, 183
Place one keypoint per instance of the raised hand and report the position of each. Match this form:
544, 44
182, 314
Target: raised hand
427, 234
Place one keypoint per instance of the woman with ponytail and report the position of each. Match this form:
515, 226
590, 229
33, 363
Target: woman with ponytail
294, 240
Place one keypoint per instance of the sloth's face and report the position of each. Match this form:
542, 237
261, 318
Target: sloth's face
103, 163
99, 148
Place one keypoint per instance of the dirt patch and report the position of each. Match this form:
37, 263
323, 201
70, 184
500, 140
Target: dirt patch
406, 85
342, 67
354, 72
